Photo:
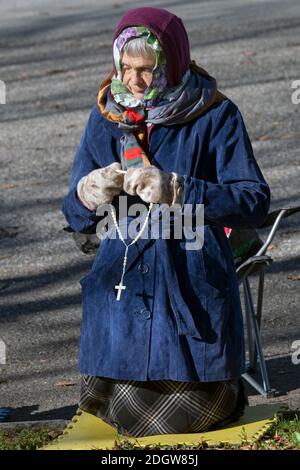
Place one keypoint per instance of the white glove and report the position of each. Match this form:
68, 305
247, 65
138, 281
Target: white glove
154, 185
100, 186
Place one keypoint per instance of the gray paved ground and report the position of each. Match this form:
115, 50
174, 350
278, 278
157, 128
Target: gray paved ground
52, 57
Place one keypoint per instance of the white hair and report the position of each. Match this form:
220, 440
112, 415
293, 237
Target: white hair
139, 46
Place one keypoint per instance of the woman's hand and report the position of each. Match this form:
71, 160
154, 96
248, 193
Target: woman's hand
154, 185
100, 186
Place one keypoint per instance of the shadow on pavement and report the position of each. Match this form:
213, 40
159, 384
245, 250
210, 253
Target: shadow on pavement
29, 413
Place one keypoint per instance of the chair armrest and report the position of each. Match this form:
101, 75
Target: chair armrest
253, 265
272, 216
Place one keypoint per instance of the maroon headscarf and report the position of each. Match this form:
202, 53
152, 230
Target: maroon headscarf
171, 33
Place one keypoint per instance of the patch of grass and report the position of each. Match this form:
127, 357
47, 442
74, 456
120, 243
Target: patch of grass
284, 434
26, 439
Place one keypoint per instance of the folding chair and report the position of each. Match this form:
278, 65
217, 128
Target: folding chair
250, 258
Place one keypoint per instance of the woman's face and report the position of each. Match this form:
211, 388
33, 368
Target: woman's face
137, 73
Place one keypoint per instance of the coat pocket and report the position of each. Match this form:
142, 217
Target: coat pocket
210, 309
218, 310
214, 262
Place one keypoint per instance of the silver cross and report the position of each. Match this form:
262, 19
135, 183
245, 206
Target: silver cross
120, 287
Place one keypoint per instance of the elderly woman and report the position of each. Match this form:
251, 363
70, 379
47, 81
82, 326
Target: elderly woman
162, 342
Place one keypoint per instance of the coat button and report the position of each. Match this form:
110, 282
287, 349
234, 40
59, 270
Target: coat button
145, 313
143, 268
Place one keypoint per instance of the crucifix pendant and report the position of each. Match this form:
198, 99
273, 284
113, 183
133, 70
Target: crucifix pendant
120, 287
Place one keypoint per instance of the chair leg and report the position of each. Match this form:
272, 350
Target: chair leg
261, 281
256, 332
251, 341
256, 385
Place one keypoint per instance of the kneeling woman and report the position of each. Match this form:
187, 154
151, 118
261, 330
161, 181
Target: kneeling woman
162, 341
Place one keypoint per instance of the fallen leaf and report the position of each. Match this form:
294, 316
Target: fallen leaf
264, 137
65, 383
294, 277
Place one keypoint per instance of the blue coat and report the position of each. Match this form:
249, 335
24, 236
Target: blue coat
180, 316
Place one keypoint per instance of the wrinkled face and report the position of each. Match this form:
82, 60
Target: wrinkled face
137, 73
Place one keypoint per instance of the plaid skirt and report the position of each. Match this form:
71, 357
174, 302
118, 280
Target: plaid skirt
136, 408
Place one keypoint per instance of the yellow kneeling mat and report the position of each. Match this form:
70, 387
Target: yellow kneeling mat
87, 432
